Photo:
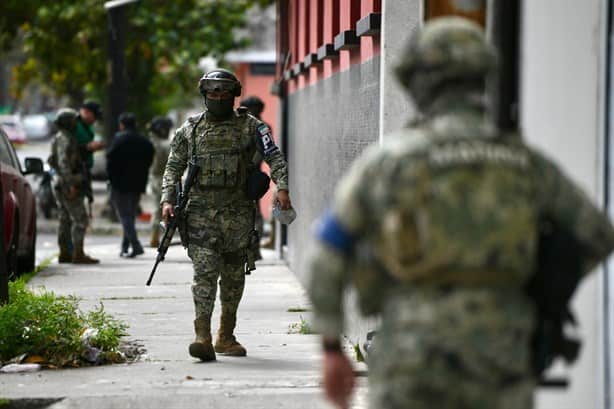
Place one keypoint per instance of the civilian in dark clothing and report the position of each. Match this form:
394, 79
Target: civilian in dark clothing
128, 161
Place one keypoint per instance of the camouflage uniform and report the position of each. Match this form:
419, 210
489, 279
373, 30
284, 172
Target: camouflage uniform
69, 167
448, 213
219, 215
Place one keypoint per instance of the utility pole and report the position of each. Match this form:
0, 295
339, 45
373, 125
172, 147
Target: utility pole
116, 17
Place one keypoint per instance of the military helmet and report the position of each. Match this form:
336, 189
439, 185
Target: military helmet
160, 125
446, 50
65, 118
219, 80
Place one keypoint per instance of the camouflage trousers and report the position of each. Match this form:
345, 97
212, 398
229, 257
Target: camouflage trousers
210, 266
452, 350
441, 383
73, 220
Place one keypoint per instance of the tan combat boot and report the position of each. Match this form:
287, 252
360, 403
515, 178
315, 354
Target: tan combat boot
201, 348
226, 342
79, 257
65, 255
154, 241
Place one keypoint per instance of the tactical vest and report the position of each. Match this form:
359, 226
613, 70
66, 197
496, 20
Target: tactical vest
461, 212
224, 151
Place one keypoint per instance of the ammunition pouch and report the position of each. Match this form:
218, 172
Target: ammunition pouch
220, 169
257, 184
252, 251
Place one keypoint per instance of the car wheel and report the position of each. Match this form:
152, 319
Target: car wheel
27, 263
11, 255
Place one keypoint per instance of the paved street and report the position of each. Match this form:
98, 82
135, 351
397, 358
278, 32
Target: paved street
280, 371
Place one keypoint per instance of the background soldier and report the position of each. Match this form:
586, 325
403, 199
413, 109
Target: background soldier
220, 215
451, 213
71, 184
255, 106
159, 129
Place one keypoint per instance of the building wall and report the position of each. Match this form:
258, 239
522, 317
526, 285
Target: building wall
400, 19
330, 123
562, 113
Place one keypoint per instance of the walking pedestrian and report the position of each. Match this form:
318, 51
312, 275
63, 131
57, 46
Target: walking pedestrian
128, 160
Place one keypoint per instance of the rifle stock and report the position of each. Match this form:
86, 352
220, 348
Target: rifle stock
178, 210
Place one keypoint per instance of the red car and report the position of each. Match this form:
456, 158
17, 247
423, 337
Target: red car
19, 205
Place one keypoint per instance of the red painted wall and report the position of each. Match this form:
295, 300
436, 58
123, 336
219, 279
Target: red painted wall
311, 23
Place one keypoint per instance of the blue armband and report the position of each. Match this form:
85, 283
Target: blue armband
332, 233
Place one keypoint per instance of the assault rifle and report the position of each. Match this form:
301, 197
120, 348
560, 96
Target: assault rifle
559, 271
178, 210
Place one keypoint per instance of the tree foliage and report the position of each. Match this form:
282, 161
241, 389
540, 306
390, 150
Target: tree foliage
65, 44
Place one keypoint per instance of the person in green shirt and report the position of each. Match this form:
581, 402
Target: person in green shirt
89, 113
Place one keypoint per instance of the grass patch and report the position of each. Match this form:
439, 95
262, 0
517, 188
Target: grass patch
301, 327
53, 329
40, 267
358, 353
298, 309
4, 402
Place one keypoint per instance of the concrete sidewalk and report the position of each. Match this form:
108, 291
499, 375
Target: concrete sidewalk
280, 371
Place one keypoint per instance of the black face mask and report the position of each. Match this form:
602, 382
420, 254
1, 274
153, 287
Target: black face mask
220, 107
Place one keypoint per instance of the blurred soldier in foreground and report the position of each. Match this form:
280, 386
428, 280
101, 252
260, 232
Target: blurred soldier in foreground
72, 179
220, 212
448, 213
159, 129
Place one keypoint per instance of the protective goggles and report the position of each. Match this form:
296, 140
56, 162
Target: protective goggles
217, 85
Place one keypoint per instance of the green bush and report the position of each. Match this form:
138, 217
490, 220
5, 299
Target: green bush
50, 326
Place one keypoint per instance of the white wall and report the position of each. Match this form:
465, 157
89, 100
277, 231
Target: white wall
561, 112
400, 19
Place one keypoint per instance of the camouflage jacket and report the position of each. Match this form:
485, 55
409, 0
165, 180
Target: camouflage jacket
226, 150
446, 204
67, 160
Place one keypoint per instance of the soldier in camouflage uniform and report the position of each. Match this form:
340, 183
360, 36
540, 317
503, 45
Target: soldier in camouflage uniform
70, 189
159, 129
220, 216
448, 213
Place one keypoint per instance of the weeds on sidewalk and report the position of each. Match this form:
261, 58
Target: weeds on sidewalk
49, 329
301, 327
297, 309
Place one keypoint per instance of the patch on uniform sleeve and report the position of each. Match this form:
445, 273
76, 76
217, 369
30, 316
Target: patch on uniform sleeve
268, 144
335, 235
